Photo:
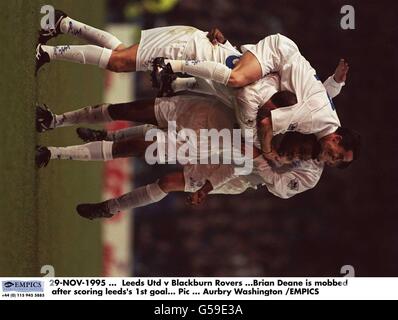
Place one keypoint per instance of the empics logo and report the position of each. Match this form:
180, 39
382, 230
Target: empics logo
22, 286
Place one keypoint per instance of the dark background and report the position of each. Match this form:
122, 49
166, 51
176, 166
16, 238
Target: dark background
349, 218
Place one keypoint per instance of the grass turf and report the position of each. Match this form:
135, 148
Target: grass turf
38, 222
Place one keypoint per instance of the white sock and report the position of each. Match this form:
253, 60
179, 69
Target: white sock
87, 54
139, 197
90, 114
182, 84
129, 133
93, 151
211, 70
88, 33
176, 65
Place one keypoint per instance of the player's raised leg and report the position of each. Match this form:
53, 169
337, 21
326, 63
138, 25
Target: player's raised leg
211, 70
66, 25
246, 71
137, 111
134, 132
85, 54
99, 53
170, 42
266, 56
92, 151
139, 197
121, 60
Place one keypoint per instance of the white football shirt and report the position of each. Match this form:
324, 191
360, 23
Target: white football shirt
314, 112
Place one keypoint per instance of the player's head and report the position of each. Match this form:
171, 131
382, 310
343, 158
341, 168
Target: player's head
340, 148
298, 146
283, 99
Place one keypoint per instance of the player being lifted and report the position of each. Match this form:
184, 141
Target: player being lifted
188, 50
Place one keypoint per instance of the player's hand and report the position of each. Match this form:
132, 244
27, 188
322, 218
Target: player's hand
274, 157
215, 36
340, 74
198, 196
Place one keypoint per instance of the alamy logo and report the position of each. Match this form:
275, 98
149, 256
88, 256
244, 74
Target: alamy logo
22, 286
347, 21
208, 146
48, 20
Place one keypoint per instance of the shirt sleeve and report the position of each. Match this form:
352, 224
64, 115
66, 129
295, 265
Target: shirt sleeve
299, 178
228, 45
332, 87
292, 118
221, 174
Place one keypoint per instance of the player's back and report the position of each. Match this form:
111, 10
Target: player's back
298, 76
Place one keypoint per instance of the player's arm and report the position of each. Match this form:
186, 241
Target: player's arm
265, 134
340, 74
335, 82
220, 175
246, 71
265, 131
257, 61
217, 37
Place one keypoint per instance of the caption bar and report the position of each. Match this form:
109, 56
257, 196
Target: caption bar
198, 288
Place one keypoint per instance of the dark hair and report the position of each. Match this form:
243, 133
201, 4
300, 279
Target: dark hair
284, 98
280, 99
295, 143
350, 141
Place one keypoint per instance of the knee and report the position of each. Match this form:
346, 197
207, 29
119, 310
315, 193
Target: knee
123, 60
116, 62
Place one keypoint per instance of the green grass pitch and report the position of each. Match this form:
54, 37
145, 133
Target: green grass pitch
38, 222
